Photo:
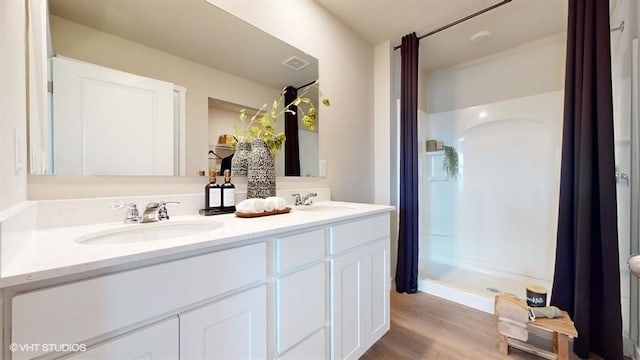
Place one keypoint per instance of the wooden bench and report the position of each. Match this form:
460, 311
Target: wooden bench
562, 329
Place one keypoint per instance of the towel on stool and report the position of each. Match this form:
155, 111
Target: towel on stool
549, 312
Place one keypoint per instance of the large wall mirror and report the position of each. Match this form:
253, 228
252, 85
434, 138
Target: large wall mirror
150, 87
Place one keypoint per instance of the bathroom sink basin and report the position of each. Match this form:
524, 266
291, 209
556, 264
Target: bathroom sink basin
138, 233
326, 207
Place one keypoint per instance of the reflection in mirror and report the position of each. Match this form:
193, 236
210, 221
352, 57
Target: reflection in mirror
198, 53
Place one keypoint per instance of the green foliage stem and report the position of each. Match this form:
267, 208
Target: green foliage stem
450, 163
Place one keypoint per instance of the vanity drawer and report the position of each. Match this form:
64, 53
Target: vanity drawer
353, 234
297, 250
82, 310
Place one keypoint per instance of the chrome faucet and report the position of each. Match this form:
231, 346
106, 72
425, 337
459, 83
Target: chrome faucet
156, 211
132, 216
305, 200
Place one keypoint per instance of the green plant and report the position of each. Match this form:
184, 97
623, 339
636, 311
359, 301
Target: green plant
262, 125
450, 163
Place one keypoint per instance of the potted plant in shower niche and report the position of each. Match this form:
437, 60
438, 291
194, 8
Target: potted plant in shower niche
260, 131
450, 163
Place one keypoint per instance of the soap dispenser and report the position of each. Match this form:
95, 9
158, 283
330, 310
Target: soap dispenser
228, 192
212, 193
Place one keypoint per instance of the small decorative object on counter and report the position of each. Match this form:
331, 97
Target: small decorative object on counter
212, 192
228, 192
261, 177
439, 145
213, 197
262, 207
240, 160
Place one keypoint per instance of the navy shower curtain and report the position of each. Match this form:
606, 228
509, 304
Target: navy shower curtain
292, 144
587, 271
407, 267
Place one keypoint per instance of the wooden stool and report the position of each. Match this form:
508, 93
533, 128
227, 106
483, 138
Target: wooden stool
562, 329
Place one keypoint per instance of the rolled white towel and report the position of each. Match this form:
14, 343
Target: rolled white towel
269, 204
279, 203
259, 205
251, 206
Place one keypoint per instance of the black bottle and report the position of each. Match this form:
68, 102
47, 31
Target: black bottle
212, 192
228, 192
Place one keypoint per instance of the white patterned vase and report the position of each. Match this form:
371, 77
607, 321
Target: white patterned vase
261, 175
240, 159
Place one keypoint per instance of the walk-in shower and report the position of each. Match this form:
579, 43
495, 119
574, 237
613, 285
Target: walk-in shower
492, 228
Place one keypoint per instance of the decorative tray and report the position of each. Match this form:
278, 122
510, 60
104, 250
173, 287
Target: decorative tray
265, 213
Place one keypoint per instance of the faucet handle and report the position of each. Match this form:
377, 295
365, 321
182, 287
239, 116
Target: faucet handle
308, 199
163, 214
133, 216
297, 199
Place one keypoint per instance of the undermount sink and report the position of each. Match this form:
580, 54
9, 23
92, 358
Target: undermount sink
137, 233
326, 207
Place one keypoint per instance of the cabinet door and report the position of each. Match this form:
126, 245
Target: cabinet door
349, 286
231, 328
378, 260
301, 306
156, 342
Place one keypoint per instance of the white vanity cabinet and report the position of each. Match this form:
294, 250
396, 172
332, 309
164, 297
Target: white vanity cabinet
310, 292
359, 285
87, 311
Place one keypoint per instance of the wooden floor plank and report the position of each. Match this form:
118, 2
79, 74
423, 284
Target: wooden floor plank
427, 327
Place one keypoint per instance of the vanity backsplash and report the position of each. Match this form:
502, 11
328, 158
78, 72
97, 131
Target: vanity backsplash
72, 212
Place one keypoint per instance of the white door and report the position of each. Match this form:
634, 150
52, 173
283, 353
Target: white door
348, 281
379, 311
156, 342
108, 122
231, 328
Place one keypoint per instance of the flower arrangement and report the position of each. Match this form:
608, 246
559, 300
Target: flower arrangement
262, 125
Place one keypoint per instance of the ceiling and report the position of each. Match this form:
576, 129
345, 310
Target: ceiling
512, 24
194, 30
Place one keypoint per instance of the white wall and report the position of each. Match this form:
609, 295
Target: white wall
346, 77
13, 98
531, 68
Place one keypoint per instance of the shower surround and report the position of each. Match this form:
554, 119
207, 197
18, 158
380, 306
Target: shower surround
493, 227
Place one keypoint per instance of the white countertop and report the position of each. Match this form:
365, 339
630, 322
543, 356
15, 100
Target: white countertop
53, 252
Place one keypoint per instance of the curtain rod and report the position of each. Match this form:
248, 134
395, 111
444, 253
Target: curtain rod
459, 21
305, 85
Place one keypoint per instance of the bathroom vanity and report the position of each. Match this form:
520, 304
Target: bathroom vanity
313, 283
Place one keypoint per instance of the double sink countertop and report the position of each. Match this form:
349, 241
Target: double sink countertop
41, 254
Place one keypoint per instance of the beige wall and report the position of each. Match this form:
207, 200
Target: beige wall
12, 101
346, 77
529, 69
87, 44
